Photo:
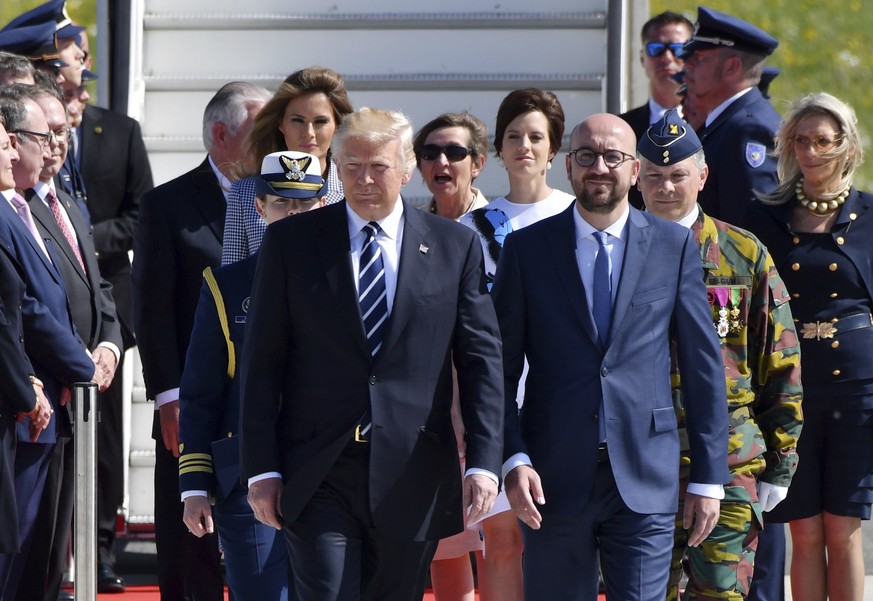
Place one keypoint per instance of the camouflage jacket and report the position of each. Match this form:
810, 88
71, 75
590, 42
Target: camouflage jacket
759, 347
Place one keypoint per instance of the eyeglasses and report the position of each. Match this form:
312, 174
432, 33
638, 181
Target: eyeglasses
820, 143
453, 152
42, 139
654, 49
585, 157
62, 134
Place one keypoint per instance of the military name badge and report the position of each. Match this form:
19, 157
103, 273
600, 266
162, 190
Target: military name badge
755, 154
726, 303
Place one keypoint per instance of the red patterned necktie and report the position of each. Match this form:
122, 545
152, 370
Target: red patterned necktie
65, 230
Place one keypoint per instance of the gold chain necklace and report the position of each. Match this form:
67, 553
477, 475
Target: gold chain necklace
820, 207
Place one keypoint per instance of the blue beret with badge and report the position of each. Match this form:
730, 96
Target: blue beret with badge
291, 174
669, 140
715, 29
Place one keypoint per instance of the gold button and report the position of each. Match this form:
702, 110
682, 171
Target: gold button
834, 295
795, 267
853, 216
230, 434
835, 344
841, 240
796, 240
832, 266
795, 295
836, 372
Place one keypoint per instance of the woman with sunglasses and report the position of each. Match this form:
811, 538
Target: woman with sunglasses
527, 136
302, 116
450, 154
818, 228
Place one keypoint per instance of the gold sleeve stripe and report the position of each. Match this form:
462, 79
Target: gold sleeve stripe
222, 318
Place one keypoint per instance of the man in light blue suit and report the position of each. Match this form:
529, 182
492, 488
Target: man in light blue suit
591, 460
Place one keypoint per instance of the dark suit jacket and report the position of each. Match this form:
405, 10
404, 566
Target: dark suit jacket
180, 231
638, 119
210, 390
90, 296
16, 392
115, 167
306, 346
57, 353
740, 138
543, 314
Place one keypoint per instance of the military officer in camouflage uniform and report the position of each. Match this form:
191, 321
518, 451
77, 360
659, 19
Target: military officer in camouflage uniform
761, 355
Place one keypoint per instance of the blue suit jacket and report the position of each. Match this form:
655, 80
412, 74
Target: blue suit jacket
543, 314
732, 145
58, 354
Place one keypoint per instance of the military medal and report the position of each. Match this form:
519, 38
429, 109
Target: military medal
728, 300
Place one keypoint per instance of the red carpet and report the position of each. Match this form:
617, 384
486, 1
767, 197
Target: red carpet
151, 593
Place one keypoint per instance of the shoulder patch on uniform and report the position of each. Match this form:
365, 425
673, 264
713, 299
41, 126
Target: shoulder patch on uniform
755, 154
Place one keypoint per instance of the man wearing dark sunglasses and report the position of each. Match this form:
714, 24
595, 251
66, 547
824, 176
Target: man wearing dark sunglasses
663, 37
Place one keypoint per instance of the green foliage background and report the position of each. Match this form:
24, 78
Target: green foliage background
823, 47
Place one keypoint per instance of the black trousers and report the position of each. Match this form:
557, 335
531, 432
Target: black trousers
189, 568
338, 554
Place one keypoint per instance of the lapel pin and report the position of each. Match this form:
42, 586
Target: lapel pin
98, 130
422, 249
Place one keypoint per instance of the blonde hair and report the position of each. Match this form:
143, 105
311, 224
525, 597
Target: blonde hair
848, 150
377, 127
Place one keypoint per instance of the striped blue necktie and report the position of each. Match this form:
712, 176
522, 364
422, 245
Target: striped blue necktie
373, 299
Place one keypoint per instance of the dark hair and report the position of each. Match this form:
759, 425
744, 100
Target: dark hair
521, 102
46, 85
667, 17
14, 66
265, 136
12, 99
474, 125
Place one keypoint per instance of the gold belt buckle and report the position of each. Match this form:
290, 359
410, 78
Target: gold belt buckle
819, 330
358, 436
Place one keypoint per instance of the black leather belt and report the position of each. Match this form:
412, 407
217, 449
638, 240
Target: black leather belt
602, 454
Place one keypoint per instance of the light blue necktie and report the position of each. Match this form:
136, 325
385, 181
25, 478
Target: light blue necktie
373, 299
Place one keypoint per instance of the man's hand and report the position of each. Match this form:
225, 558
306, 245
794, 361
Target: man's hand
40, 416
170, 426
525, 491
198, 516
106, 364
265, 498
702, 512
479, 494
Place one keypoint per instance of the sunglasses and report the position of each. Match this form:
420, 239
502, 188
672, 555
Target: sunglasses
654, 49
454, 153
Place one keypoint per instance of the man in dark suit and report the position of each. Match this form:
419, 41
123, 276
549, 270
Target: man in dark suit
111, 158
20, 391
663, 37
591, 298
359, 310
57, 353
180, 231
724, 61
93, 312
